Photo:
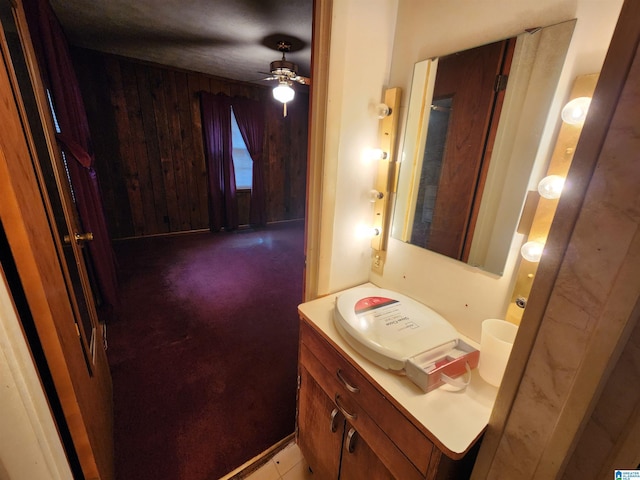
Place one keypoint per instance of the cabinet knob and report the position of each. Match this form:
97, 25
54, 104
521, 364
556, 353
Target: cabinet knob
350, 416
350, 387
334, 420
350, 441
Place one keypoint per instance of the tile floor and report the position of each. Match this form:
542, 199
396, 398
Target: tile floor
287, 464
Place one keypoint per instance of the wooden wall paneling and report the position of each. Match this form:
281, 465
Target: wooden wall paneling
245, 90
156, 137
183, 105
303, 160
244, 206
200, 168
119, 83
104, 135
274, 168
288, 156
217, 85
175, 141
298, 157
164, 160
135, 154
154, 180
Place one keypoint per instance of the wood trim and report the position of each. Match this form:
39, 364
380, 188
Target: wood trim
612, 79
319, 230
25, 213
24, 218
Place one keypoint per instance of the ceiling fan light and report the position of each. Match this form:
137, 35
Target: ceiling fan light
283, 92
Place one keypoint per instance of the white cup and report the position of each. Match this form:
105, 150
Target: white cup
496, 341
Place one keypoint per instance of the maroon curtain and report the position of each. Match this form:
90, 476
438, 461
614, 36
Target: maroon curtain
74, 138
250, 117
216, 128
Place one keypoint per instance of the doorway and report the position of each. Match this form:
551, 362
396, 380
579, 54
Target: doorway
139, 116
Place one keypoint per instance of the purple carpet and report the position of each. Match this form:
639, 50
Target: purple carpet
203, 356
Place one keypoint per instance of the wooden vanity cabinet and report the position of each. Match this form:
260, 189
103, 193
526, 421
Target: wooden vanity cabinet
332, 445
347, 428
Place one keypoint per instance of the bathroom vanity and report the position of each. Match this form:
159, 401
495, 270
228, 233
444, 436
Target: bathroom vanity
358, 420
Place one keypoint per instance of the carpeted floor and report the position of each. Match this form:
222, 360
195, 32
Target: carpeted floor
203, 356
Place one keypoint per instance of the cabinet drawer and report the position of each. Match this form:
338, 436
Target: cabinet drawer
339, 376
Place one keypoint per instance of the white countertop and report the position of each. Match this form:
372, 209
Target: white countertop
454, 418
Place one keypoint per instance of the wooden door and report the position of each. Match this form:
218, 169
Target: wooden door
36, 216
455, 164
359, 461
320, 429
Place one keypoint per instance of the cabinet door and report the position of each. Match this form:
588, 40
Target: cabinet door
359, 461
320, 429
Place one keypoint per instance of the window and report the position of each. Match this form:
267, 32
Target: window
64, 156
242, 163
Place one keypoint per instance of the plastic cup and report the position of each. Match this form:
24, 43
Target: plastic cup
496, 342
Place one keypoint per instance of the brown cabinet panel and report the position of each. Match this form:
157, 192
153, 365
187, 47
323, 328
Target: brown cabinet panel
319, 435
359, 460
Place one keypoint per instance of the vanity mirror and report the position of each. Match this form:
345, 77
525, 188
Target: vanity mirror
474, 125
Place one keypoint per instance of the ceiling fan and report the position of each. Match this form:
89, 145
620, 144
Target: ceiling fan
285, 73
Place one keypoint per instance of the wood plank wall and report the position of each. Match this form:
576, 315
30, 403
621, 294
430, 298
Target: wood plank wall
147, 137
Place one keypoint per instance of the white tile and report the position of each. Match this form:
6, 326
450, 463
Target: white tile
267, 472
287, 458
300, 471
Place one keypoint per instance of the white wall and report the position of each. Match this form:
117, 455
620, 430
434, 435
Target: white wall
29, 444
361, 40
374, 45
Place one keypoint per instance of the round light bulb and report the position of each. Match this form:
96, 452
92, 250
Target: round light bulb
375, 195
373, 154
532, 251
367, 231
283, 92
576, 110
382, 110
551, 187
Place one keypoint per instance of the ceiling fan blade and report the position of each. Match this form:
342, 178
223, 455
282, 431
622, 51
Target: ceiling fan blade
302, 80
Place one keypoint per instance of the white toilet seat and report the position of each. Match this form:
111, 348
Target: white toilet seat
387, 327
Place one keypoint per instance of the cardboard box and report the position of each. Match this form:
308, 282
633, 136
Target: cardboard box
426, 369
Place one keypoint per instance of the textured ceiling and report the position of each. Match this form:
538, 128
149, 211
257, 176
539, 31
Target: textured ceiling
234, 39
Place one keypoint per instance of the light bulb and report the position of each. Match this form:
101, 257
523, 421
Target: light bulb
375, 195
551, 186
367, 231
382, 110
372, 154
283, 92
532, 251
576, 110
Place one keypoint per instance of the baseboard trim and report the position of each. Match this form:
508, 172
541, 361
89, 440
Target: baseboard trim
259, 460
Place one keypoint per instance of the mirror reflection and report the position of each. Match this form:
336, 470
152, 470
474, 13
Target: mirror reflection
474, 124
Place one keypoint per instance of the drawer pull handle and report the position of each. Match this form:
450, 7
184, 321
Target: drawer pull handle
350, 416
350, 441
334, 420
351, 388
